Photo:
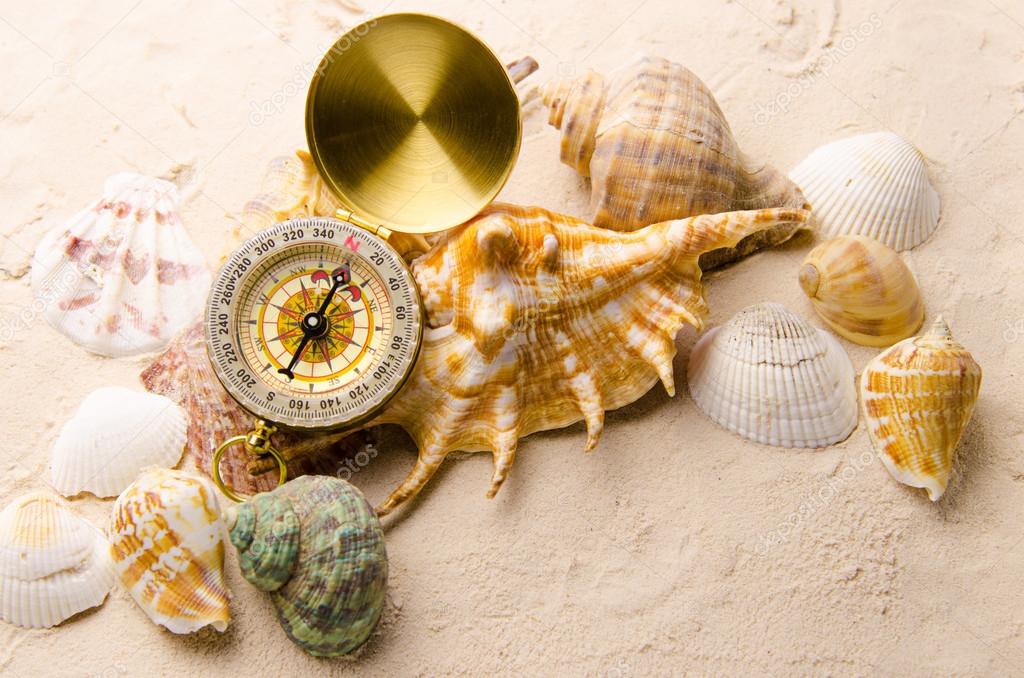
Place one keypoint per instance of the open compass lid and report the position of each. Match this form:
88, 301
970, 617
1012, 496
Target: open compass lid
413, 123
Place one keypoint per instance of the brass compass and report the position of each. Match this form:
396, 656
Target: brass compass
315, 323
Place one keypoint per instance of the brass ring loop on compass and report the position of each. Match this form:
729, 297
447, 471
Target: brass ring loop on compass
218, 456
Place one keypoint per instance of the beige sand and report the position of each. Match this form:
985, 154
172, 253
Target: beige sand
675, 546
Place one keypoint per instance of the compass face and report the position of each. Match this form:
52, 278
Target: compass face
314, 324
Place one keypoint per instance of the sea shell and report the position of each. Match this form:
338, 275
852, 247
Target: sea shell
316, 546
538, 320
874, 185
168, 550
863, 290
115, 434
122, 277
53, 564
917, 398
656, 146
183, 374
769, 376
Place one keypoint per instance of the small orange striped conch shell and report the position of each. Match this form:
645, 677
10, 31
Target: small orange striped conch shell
167, 544
538, 320
656, 146
917, 398
863, 290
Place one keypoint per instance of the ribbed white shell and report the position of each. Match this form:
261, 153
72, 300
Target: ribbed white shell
874, 185
772, 378
113, 436
53, 564
122, 277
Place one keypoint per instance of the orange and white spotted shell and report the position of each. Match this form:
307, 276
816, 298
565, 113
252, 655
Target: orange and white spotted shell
656, 146
918, 397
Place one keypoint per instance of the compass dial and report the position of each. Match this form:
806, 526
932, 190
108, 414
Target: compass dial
314, 323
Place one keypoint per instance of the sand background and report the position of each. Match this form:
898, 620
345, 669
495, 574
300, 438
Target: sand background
675, 547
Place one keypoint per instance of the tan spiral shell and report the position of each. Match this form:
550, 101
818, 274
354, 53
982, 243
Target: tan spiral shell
917, 398
863, 290
656, 146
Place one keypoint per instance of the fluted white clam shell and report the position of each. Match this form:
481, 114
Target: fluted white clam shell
874, 185
769, 376
53, 564
122, 277
115, 434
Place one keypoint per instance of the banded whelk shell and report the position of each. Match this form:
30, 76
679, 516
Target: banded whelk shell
917, 398
769, 376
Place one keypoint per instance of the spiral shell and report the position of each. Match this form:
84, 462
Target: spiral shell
317, 547
863, 290
123, 276
769, 376
874, 185
53, 564
917, 398
113, 436
656, 146
168, 550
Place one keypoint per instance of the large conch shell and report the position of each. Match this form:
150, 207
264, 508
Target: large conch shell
115, 434
656, 146
863, 290
917, 398
538, 320
168, 550
771, 377
123, 276
873, 184
316, 546
53, 564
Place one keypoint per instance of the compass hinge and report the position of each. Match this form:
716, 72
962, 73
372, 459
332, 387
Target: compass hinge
353, 218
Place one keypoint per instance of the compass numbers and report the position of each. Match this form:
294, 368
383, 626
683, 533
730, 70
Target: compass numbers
313, 323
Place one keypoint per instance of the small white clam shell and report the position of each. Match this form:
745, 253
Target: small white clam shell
167, 544
122, 277
115, 434
53, 564
769, 376
875, 185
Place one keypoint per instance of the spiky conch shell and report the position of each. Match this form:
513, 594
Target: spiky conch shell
537, 320
656, 146
874, 185
53, 564
769, 376
317, 547
122, 277
917, 398
863, 290
167, 545
115, 434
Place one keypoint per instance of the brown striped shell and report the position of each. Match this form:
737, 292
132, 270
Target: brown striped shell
656, 146
917, 398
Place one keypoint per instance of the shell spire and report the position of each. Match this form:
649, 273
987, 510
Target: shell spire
657, 146
918, 397
537, 320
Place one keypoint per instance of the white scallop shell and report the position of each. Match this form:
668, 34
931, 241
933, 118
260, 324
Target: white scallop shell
123, 276
167, 544
53, 564
874, 185
769, 376
115, 434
